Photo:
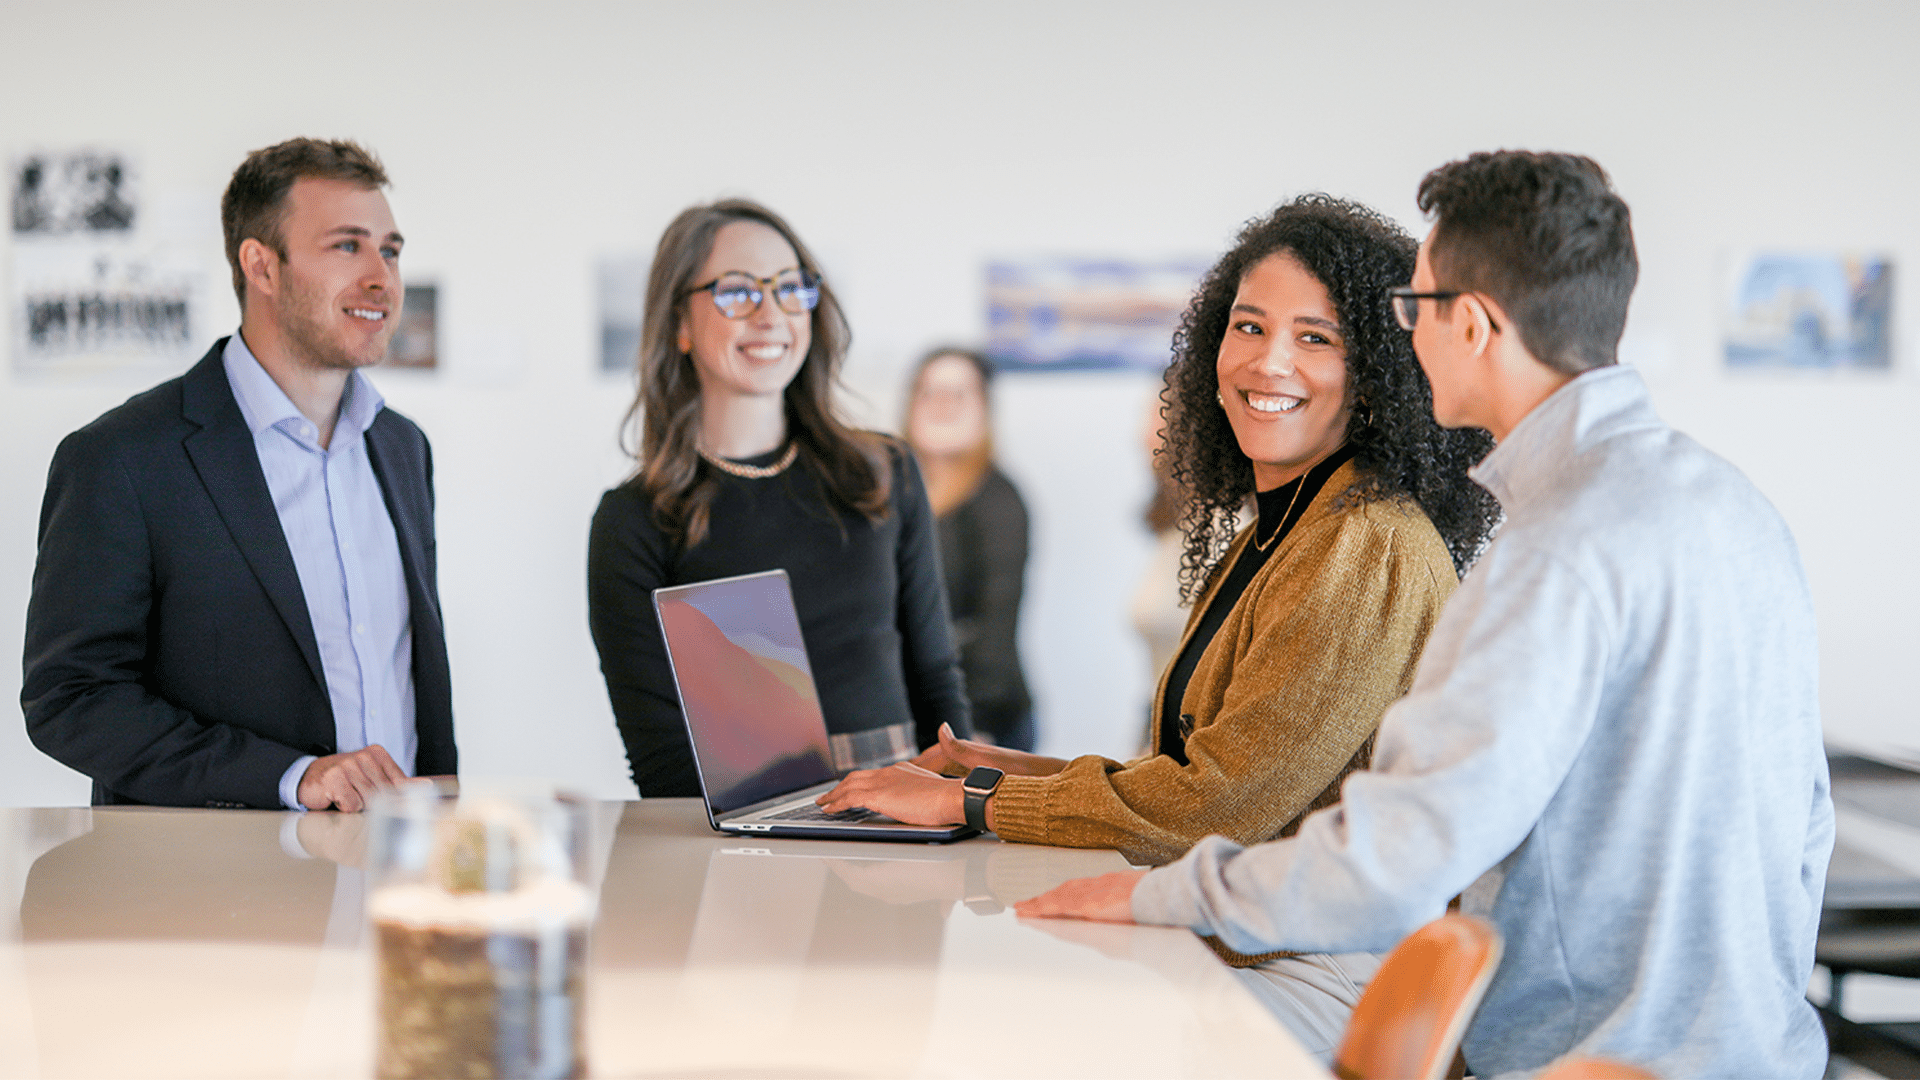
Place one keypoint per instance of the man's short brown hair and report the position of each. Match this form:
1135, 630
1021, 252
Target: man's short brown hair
255, 204
1545, 236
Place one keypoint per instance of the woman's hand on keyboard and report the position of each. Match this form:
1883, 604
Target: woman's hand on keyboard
904, 792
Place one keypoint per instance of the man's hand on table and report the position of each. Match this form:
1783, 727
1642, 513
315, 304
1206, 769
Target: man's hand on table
1107, 898
346, 781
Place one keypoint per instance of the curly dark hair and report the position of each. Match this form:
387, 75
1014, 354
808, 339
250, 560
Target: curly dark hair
1400, 451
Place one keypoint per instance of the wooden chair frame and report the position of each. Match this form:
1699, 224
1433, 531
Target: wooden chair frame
1411, 1017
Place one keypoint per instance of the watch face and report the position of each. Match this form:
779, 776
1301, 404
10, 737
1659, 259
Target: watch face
983, 778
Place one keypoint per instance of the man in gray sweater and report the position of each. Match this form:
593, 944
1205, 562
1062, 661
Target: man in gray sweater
1612, 749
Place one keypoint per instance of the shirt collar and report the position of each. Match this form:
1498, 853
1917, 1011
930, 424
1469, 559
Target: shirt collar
1592, 406
263, 404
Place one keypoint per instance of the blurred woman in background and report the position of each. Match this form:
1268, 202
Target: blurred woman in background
743, 466
982, 525
1158, 609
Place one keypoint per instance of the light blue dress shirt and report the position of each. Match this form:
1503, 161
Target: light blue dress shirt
346, 553
1615, 729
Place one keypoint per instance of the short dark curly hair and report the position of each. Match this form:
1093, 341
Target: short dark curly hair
1399, 449
1546, 236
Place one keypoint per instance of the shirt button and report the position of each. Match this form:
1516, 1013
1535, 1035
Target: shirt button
361, 629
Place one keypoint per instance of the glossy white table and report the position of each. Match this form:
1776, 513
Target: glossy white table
208, 943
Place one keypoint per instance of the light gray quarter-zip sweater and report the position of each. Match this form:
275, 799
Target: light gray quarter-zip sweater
1612, 748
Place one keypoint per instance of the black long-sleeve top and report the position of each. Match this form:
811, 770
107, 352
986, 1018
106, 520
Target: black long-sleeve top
1279, 509
872, 609
983, 551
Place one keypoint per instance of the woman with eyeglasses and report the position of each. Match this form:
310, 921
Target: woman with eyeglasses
743, 465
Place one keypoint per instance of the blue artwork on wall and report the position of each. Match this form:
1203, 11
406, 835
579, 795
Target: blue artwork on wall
1087, 314
1802, 310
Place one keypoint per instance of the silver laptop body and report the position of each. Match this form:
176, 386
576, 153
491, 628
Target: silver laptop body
753, 714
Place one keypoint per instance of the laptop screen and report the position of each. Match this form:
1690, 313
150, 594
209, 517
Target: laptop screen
746, 688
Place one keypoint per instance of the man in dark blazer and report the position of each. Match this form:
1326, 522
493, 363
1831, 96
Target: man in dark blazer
235, 600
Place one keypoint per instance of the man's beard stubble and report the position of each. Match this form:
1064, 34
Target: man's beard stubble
302, 328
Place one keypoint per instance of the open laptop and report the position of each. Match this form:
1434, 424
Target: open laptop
759, 737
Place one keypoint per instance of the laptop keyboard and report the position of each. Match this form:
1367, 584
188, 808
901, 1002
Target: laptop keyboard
813, 812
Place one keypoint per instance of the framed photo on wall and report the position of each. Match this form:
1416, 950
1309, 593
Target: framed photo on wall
91, 286
416, 341
620, 283
1805, 310
1087, 314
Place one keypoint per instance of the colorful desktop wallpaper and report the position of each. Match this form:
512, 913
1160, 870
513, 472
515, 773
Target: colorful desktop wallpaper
747, 691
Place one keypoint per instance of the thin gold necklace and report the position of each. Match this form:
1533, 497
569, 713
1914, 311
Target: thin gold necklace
1258, 546
752, 472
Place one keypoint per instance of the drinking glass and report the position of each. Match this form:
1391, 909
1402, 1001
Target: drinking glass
481, 906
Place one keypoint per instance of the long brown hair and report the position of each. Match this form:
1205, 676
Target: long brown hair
664, 420
948, 488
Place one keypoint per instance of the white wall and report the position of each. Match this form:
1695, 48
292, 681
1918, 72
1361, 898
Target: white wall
910, 142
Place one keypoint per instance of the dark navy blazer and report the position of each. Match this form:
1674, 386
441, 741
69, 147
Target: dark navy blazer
169, 654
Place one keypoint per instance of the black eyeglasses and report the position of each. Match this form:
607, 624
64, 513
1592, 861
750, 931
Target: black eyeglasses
739, 295
1406, 303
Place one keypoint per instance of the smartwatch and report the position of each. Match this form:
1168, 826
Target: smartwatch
975, 788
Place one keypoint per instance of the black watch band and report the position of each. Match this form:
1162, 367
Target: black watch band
979, 784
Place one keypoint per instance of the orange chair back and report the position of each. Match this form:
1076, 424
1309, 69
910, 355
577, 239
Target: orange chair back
1411, 1016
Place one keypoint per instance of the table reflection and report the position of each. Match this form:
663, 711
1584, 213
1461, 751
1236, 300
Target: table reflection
129, 878
232, 943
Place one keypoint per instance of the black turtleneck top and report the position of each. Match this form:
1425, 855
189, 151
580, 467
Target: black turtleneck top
1279, 509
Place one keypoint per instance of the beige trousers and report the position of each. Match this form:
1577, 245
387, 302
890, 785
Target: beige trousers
1313, 994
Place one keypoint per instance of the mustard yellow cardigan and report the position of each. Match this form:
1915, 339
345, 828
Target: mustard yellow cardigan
1284, 700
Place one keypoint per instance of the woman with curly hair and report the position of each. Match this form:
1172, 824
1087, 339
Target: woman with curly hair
1293, 384
744, 465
